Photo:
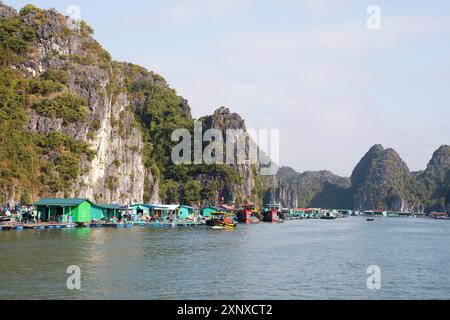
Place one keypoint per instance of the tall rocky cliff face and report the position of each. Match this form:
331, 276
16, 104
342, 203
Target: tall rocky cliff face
436, 180
381, 180
310, 189
84, 125
248, 187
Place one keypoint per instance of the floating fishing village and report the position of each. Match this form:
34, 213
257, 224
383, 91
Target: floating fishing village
58, 213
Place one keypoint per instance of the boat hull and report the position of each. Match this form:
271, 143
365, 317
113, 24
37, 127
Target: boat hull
223, 224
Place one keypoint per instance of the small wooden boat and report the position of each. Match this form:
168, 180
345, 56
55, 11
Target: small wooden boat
221, 219
370, 219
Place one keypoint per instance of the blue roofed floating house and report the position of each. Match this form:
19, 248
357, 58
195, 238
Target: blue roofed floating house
163, 211
184, 212
140, 209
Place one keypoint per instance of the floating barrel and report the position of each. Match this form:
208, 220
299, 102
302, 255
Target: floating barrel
50, 227
18, 228
120, 225
57, 227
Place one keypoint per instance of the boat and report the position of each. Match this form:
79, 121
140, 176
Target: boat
221, 219
370, 219
285, 213
247, 214
270, 213
329, 215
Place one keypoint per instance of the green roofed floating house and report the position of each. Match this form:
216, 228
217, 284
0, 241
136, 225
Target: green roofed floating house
106, 211
64, 210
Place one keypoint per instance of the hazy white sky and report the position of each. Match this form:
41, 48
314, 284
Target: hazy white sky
308, 67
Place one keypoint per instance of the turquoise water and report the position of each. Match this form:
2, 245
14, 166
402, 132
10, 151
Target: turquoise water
313, 259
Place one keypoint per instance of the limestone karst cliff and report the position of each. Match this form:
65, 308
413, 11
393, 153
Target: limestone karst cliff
84, 125
381, 180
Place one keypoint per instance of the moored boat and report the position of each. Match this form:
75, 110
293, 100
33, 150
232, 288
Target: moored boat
329, 215
270, 213
247, 214
221, 219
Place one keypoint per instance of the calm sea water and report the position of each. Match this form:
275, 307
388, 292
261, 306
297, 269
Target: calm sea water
312, 259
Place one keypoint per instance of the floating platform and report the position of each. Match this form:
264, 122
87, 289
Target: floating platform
38, 226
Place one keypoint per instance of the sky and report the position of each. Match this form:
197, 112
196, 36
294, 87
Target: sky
310, 68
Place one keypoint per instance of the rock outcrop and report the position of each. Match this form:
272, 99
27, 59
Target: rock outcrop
249, 187
381, 180
94, 127
310, 189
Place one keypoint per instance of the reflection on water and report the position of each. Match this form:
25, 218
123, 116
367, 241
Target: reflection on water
312, 259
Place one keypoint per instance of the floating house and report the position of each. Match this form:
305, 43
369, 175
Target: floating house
106, 211
439, 215
64, 210
206, 212
162, 211
185, 211
140, 209
375, 213
302, 213
345, 212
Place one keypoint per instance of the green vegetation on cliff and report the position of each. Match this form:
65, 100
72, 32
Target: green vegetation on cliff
30, 162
